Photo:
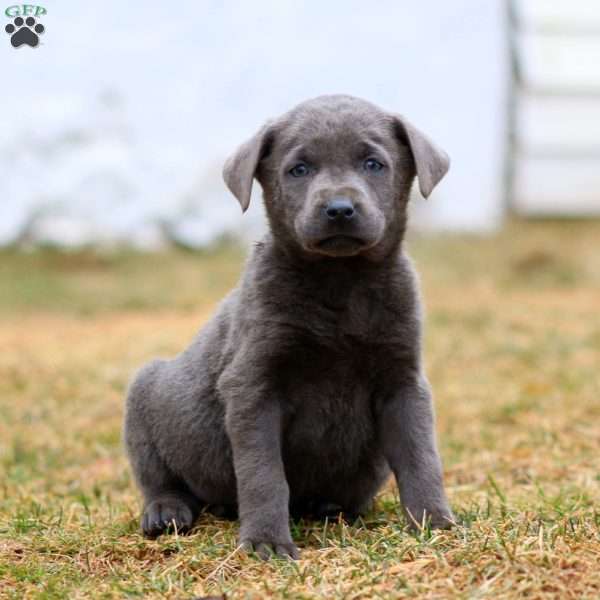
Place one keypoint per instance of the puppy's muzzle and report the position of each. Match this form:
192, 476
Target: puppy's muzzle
340, 226
339, 222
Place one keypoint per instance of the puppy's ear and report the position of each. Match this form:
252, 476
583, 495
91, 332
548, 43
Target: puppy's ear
431, 162
240, 168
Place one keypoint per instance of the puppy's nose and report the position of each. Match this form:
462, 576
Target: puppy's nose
340, 209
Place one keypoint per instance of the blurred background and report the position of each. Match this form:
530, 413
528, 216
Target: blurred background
118, 236
115, 128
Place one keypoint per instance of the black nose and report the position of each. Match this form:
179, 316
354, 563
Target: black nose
339, 209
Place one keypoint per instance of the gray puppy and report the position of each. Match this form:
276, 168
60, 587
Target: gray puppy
307, 386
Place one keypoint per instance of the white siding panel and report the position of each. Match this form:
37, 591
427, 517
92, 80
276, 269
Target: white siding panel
555, 124
560, 63
573, 15
557, 187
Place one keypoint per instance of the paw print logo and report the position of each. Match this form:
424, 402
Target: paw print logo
24, 32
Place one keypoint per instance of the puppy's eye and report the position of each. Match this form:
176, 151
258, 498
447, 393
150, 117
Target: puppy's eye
300, 170
372, 165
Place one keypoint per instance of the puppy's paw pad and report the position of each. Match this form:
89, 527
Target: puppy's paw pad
166, 516
267, 550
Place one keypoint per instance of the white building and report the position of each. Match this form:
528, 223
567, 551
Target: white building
555, 141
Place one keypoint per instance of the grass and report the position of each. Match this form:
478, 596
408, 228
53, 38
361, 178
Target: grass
513, 353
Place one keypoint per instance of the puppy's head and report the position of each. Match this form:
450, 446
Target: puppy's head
336, 173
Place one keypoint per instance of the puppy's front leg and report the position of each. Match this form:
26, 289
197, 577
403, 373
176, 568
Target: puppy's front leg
253, 420
408, 434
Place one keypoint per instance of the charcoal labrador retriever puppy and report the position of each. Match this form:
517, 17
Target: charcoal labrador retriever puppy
306, 389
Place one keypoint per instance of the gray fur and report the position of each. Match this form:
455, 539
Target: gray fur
306, 388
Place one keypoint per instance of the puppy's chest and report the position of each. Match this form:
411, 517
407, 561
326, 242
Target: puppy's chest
329, 408
332, 366
329, 390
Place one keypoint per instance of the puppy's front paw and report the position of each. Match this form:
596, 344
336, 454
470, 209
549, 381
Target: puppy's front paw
438, 517
165, 515
268, 548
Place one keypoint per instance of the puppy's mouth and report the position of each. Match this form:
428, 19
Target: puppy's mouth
340, 244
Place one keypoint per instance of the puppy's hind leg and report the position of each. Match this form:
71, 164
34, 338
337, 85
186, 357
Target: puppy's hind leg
168, 503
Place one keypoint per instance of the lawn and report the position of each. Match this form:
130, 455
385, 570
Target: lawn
513, 354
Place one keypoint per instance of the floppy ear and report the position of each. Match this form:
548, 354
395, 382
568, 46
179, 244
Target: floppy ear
239, 169
431, 162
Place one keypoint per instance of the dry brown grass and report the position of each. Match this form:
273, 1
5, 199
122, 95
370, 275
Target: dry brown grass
513, 352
